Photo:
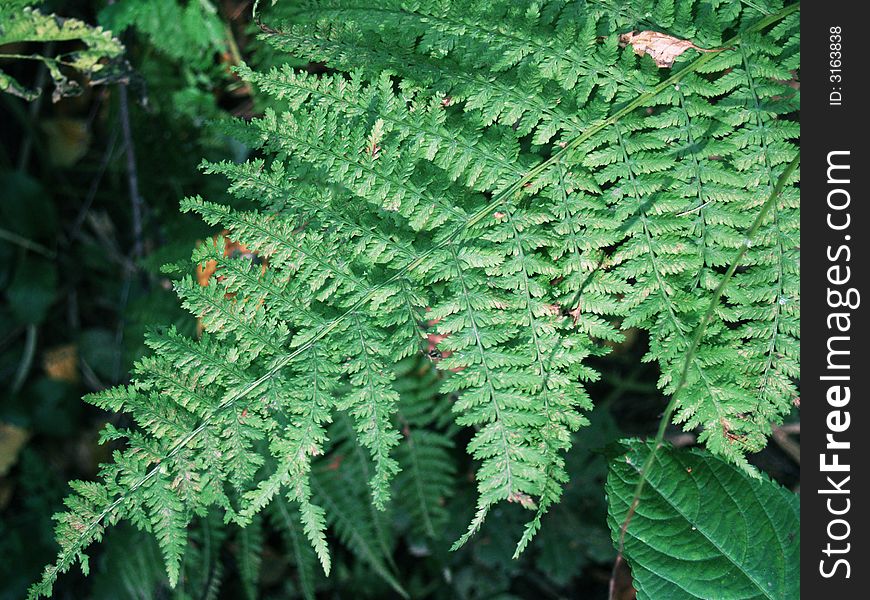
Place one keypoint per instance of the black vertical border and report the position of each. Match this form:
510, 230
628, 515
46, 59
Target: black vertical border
827, 128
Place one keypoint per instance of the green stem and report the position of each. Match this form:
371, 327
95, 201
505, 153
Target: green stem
11, 236
43, 59
26, 359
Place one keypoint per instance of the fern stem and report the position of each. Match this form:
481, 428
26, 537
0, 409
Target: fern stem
696, 342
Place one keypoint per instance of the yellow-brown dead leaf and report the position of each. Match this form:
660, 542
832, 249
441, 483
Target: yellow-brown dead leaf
12, 440
61, 363
663, 48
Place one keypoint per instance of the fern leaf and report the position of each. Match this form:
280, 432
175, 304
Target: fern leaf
100, 59
337, 487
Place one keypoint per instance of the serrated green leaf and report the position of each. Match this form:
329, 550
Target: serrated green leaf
704, 528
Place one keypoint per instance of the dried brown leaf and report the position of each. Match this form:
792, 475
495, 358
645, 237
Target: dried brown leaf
62, 363
663, 48
12, 441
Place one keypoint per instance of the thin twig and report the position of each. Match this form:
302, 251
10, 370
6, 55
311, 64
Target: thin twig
26, 358
92, 191
41, 78
103, 231
92, 380
132, 174
681, 440
23, 242
791, 428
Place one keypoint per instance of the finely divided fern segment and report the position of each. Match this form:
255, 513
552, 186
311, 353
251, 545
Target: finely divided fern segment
508, 179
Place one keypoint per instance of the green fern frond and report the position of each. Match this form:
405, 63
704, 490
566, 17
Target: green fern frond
507, 181
184, 31
100, 59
